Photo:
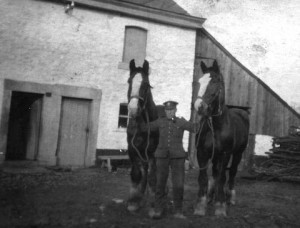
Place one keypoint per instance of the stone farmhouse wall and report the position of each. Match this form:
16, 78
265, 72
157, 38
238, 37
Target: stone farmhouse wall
41, 43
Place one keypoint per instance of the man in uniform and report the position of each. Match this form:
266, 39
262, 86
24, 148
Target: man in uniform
170, 153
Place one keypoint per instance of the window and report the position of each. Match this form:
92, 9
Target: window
134, 44
123, 115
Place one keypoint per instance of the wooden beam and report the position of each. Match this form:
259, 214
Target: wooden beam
283, 156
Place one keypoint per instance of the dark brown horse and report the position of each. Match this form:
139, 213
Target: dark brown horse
141, 144
223, 136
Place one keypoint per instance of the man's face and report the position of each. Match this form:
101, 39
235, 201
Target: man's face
170, 113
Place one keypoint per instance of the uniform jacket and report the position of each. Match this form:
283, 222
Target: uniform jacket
170, 136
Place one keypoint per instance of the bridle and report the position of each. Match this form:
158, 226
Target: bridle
140, 98
209, 103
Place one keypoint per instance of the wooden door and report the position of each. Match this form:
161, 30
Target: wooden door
34, 130
73, 133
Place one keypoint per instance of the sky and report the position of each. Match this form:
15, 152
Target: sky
264, 35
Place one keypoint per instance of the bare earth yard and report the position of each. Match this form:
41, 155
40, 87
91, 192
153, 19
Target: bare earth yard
41, 197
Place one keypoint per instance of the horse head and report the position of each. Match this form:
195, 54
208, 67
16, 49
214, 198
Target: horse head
139, 88
211, 94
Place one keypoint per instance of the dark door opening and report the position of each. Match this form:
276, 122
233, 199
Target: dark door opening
24, 126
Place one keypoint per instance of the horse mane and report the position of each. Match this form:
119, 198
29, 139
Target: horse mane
152, 107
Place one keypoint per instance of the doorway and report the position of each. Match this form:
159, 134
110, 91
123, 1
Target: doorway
24, 126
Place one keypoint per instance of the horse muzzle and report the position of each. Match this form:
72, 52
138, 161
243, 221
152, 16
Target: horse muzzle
201, 107
133, 108
133, 112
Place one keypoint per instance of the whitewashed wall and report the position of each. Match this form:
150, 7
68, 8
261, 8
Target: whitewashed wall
40, 43
263, 144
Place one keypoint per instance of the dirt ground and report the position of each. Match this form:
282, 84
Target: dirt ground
33, 196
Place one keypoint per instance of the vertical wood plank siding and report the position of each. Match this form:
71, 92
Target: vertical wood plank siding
269, 114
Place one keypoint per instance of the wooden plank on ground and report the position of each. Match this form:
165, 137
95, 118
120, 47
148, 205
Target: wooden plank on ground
283, 156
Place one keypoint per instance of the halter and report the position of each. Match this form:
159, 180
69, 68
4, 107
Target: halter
220, 111
137, 97
141, 98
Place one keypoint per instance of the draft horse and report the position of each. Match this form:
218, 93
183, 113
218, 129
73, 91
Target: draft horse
222, 137
141, 144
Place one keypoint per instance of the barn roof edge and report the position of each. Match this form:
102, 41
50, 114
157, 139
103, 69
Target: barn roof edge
144, 12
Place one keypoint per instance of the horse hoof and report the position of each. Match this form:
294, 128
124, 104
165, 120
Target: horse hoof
199, 212
132, 207
220, 209
201, 206
220, 213
155, 214
232, 197
179, 216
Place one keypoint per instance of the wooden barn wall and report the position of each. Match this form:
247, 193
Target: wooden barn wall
269, 114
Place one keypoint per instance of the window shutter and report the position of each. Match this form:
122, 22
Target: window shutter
135, 44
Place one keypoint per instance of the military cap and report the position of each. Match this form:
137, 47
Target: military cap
170, 105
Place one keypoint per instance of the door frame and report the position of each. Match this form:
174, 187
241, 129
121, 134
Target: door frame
50, 117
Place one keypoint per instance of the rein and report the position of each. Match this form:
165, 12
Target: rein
137, 97
209, 122
148, 132
142, 99
148, 141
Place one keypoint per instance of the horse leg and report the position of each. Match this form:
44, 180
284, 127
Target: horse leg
232, 173
220, 205
144, 180
135, 194
212, 182
152, 176
201, 205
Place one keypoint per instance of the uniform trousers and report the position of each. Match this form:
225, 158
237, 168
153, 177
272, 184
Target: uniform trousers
177, 172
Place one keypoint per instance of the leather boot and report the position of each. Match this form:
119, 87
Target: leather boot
155, 213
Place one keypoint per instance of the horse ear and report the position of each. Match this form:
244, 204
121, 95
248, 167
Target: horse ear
216, 67
132, 65
146, 67
203, 67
